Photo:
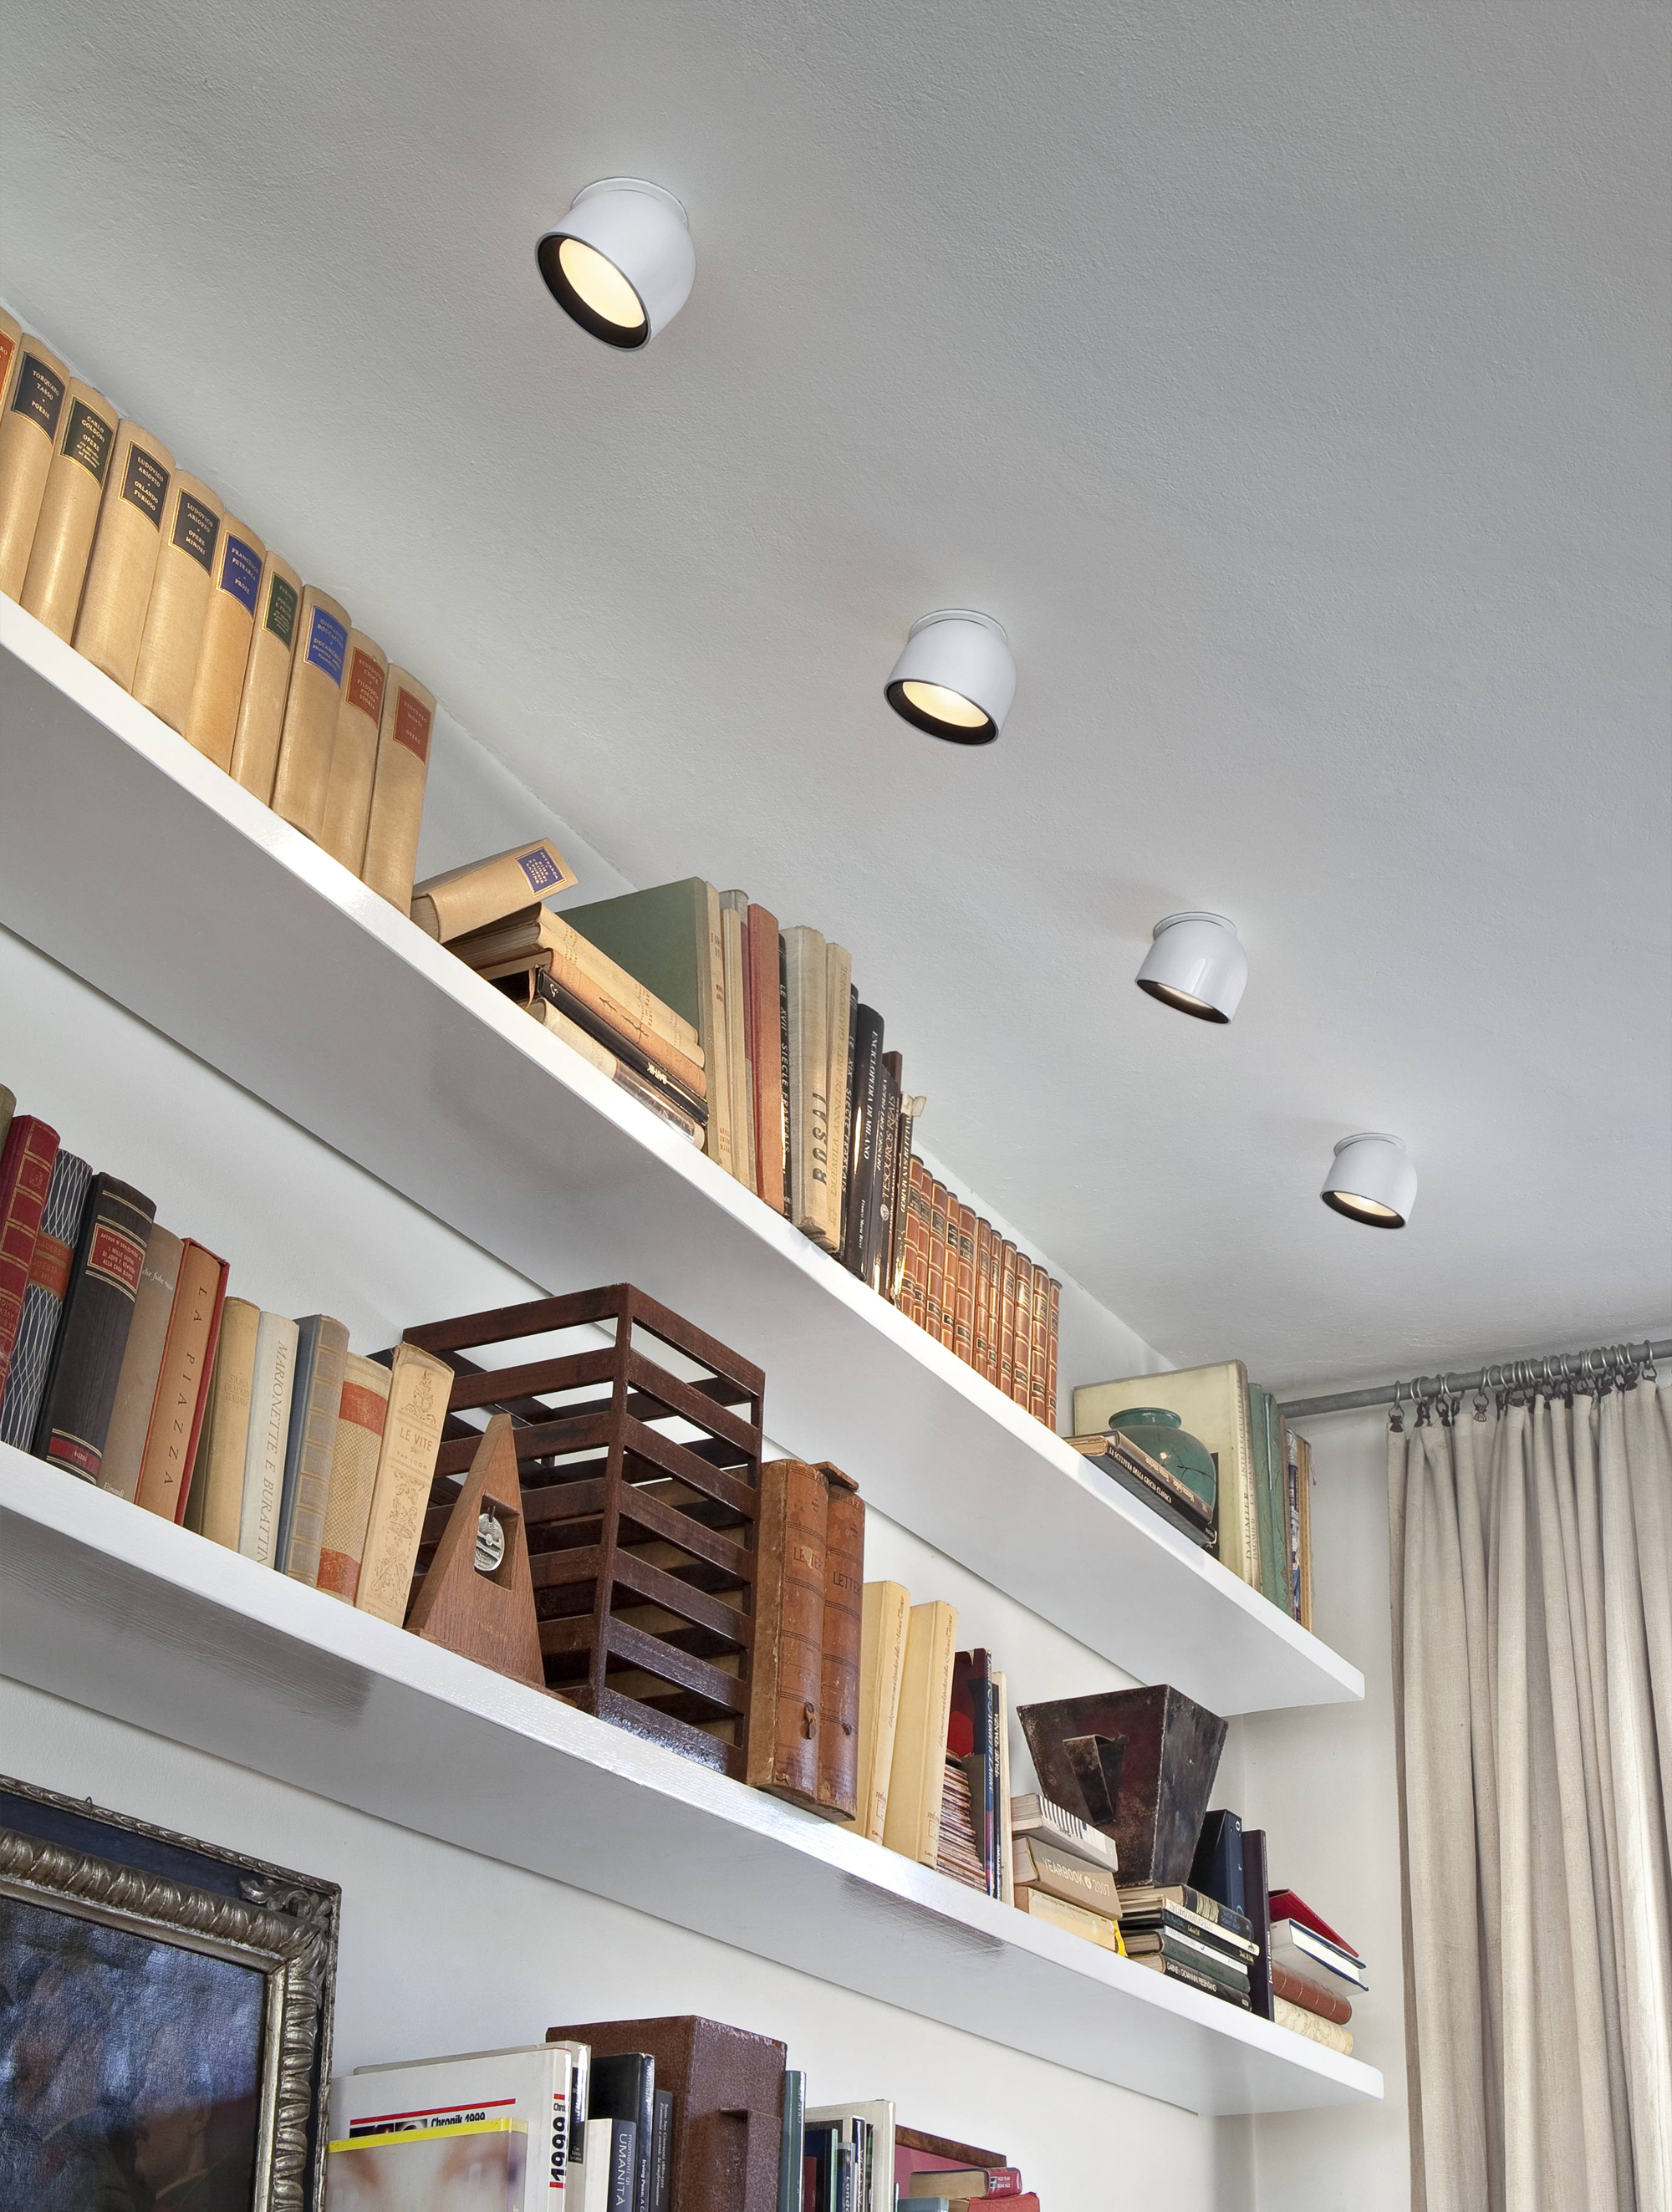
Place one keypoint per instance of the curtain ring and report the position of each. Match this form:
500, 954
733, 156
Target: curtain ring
1396, 1415
1646, 1371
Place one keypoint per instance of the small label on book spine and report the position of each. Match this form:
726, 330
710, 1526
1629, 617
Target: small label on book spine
196, 529
51, 1266
327, 642
146, 483
115, 1257
536, 866
282, 612
365, 684
412, 724
88, 438
7, 348
40, 394
240, 573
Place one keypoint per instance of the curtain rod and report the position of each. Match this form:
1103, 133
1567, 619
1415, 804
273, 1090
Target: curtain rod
1600, 1360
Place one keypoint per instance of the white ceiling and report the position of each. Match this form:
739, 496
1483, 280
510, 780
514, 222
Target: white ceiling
1288, 378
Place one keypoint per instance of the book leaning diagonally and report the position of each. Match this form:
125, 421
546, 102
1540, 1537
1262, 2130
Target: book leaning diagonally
484, 892
362, 1413
418, 1387
271, 1385
1211, 1404
141, 1362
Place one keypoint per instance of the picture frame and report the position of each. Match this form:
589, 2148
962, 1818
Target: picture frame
164, 2016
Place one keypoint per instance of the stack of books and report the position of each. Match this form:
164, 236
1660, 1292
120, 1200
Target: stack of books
983, 1299
1313, 1970
932, 2174
1064, 1871
1153, 1484
139, 566
1190, 1937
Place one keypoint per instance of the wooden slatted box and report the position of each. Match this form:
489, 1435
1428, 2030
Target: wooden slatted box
640, 1495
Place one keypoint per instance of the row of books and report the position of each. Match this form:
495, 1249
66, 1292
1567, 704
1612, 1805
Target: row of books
138, 565
585, 2122
983, 1298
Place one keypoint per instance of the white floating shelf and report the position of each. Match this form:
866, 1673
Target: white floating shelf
116, 1610
127, 858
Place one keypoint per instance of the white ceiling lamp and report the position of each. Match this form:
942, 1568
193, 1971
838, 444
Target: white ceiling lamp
1373, 1179
621, 262
956, 678
1197, 965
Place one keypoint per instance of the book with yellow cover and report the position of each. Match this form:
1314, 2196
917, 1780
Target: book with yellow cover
173, 632
348, 804
397, 788
917, 1772
123, 567
28, 438
70, 511
1098, 1928
884, 1607
211, 714
260, 721
311, 710
419, 1384
497, 889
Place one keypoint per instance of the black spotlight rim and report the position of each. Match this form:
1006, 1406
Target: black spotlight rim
953, 734
1181, 1001
1333, 1199
614, 334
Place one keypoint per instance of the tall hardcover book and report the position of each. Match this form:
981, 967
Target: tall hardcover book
789, 2140
173, 632
669, 937
311, 710
623, 2089
223, 655
766, 1065
29, 435
50, 1269
188, 1361
215, 1503
934, 1258
858, 1234
397, 788
142, 1363
272, 1388
26, 1159
532, 2086
70, 511
116, 596
97, 1310
917, 1773
1303, 1489
884, 1610
963, 1306
1007, 1837
807, 972
1051, 1342
1257, 1905
734, 938
880, 1271
348, 804
419, 1385
11, 340
839, 1008
362, 1416
841, 1639
1022, 1334
1005, 1270
322, 1351
1211, 1404
482, 893
261, 701
972, 1739
950, 1272
787, 1680
1040, 1349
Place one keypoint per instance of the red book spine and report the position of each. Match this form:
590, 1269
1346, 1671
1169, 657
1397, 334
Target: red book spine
949, 1276
1050, 1353
26, 1175
937, 1299
1021, 1389
1286, 1905
964, 1304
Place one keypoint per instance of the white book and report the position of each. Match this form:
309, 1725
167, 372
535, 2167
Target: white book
1035, 1816
270, 1428
1302, 1951
873, 2140
530, 2084
594, 2174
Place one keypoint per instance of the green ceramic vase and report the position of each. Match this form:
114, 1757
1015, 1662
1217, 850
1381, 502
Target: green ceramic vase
1158, 1431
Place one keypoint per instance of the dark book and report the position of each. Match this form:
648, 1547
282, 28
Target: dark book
26, 1160
1198, 1953
783, 1069
624, 2166
879, 1258
859, 1231
1257, 1905
970, 1739
848, 1104
1197, 1529
1176, 1972
821, 2172
98, 1311
541, 983
1217, 1868
43, 1297
624, 2087
661, 2152
789, 2150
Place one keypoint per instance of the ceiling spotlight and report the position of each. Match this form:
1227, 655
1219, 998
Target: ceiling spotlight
956, 678
1372, 1180
1196, 963
621, 262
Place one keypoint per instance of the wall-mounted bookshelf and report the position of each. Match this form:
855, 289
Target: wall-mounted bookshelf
115, 1610
129, 859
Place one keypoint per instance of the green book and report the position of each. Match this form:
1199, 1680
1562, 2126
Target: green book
669, 939
1273, 1537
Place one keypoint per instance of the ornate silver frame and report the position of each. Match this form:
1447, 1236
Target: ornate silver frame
282, 1923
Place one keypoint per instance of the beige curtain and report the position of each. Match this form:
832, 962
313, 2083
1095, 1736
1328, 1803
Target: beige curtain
1532, 1620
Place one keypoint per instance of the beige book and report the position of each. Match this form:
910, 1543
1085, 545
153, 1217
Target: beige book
884, 1608
271, 1387
733, 927
839, 1007
166, 1471
211, 714
260, 723
806, 973
397, 788
484, 892
1211, 1404
1098, 1928
70, 511
362, 1413
1007, 1837
717, 1138
354, 753
28, 438
419, 1386
311, 710
173, 633
1296, 2017
117, 595
215, 1504
624, 1077
1035, 1864
11, 347
917, 1772
592, 976
142, 1360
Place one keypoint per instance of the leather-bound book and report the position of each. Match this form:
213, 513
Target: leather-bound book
1006, 1377
29, 436
483, 893
361, 1417
322, 1352
733, 928
917, 1776
917, 1230
1052, 1328
260, 720
1021, 1348
70, 511
271, 1393
117, 594
98, 1311
981, 1347
964, 1309
879, 1268
949, 1269
211, 714
348, 807
839, 1678
188, 1361
786, 1683
173, 632
11, 340
1040, 1347
43, 1297
859, 1226
419, 1384
934, 1273
311, 711
397, 789
26, 1175
1257, 1896
766, 1064
215, 1504
142, 1363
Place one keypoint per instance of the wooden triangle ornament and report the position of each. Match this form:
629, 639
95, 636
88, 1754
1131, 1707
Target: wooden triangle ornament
488, 1616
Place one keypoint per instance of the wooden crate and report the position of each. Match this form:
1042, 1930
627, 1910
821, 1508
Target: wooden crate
640, 1495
